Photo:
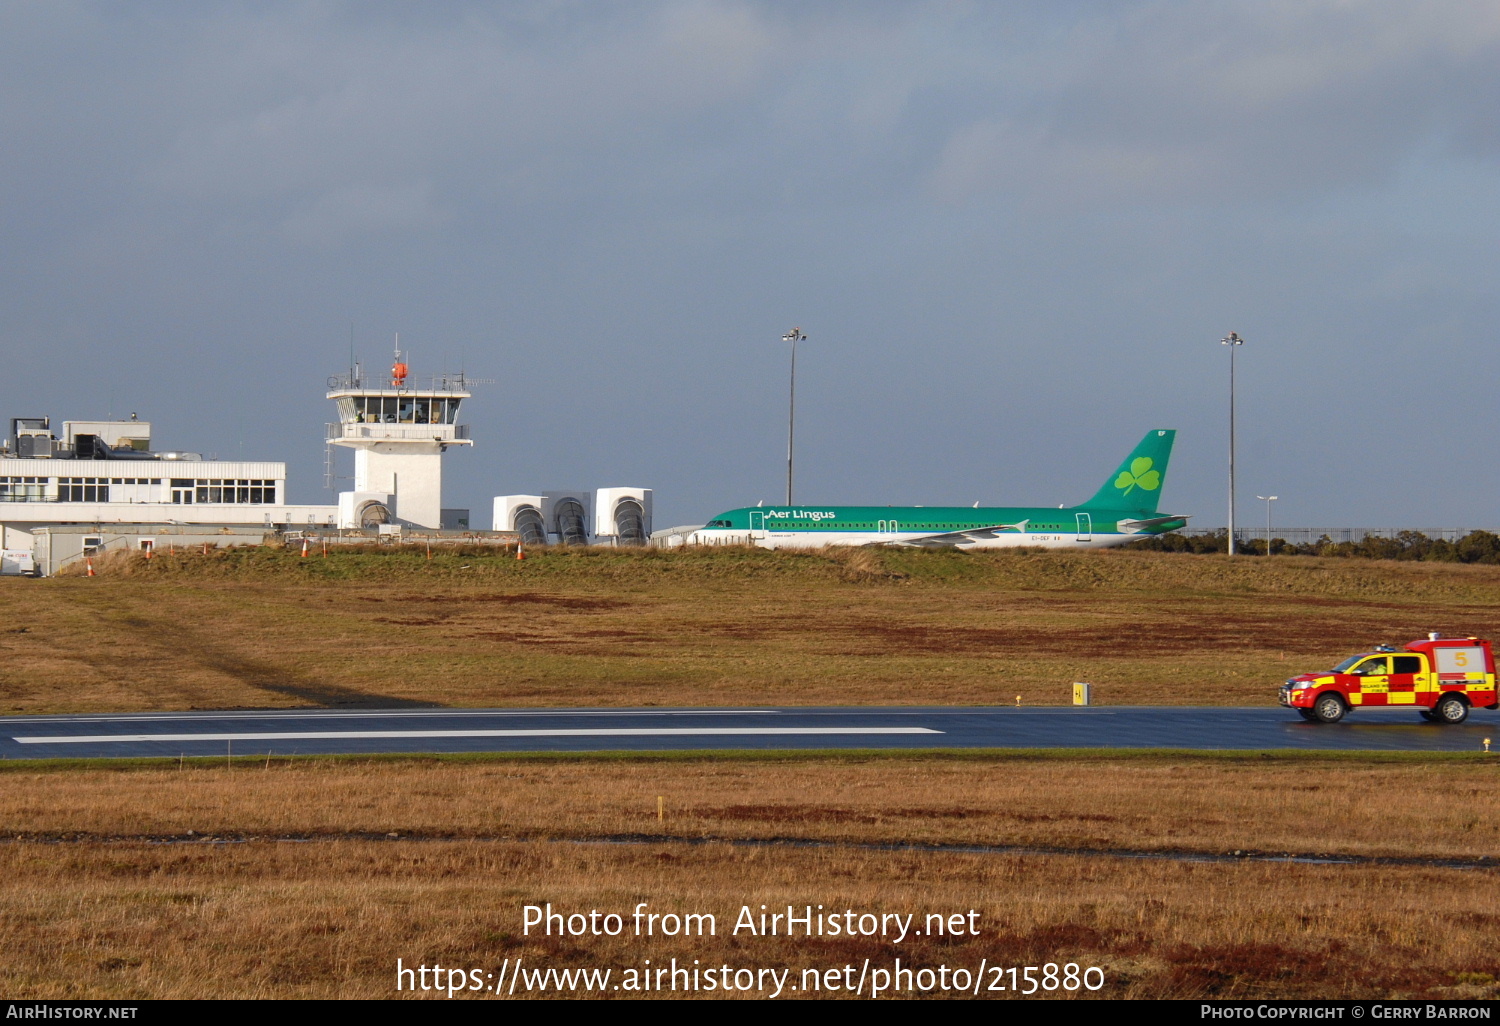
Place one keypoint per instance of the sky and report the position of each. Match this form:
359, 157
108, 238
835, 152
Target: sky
1014, 234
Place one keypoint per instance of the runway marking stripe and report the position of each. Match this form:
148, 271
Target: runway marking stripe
335, 735
298, 714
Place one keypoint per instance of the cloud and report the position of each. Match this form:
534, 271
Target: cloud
1189, 102
545, 184
349, 211
308, 111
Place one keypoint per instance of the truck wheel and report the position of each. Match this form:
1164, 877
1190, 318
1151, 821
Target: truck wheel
1452, 709
1329, 708
1428, 715
1308, 715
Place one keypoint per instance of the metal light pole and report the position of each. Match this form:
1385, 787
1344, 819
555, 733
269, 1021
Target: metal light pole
1233, 341
794, 336
1268, 499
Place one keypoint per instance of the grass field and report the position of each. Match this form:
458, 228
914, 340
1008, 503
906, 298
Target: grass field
264, 628
310, 877
117, 881
1359, 805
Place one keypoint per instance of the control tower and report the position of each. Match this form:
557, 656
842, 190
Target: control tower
398, 432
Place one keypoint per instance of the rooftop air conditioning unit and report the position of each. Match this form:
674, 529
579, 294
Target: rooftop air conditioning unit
31, 436
522, 514
622, 516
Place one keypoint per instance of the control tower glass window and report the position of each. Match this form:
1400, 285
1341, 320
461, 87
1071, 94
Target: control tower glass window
406, 409
374, 409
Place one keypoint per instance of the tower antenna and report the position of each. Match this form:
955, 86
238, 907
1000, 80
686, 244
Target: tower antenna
398, 366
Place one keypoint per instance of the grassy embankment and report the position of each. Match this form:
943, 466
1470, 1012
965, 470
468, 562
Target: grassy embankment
329, 915
264, 628
316, 898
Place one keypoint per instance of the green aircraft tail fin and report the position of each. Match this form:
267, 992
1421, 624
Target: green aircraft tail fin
1137, 484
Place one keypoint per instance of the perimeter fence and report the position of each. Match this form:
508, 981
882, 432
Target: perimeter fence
1440, 544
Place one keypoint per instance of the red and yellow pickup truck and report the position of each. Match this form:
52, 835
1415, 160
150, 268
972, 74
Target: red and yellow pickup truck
1442, 678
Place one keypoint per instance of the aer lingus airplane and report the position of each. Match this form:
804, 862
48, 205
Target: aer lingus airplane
1123, 509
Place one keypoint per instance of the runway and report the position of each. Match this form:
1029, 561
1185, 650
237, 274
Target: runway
304, 732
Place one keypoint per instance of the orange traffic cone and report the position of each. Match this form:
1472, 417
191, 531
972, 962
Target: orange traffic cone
90, 563
520, 551
304, 548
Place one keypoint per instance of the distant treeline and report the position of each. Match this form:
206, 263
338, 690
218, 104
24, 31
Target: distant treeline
1474, 547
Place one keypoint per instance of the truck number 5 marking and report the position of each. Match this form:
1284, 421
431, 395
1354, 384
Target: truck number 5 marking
1461, 658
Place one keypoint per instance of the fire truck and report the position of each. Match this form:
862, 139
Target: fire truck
1441, 678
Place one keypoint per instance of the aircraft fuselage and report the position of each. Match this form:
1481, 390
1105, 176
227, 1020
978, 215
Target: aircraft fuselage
964, 527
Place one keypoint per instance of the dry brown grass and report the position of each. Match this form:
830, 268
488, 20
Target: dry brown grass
83, 915
105, 893
331, 919
265, 629
1365, 807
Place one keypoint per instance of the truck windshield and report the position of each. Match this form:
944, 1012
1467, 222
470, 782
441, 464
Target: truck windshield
1348, 664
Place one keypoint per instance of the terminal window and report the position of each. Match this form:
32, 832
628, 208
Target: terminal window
23, 489
215, 490
83, 489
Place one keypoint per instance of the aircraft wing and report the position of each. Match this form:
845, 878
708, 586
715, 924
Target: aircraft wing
976, 533
1137, 526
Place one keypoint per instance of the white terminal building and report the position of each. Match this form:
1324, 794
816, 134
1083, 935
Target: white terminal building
84, 487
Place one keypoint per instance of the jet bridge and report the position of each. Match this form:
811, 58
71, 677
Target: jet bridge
576, 516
